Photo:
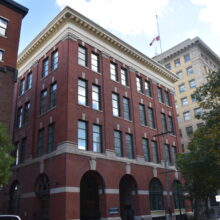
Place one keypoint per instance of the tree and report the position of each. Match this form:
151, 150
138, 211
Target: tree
201, 165
6, 160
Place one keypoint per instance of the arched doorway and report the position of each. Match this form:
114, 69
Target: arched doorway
128, 191
91, 188
14, 201
42, 190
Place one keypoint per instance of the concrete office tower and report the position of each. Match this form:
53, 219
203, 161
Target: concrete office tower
191, 61
11, 15
88, 108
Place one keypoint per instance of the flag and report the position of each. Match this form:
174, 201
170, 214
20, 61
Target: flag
157, 38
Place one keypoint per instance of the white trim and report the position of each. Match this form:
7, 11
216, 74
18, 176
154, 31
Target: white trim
67, 189
111, 191
143, 192
28, 195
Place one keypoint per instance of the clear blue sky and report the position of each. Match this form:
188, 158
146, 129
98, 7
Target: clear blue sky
134, 20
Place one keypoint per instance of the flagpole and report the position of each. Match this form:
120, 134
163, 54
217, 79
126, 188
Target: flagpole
159, 33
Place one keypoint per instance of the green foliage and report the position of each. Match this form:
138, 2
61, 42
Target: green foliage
6, 160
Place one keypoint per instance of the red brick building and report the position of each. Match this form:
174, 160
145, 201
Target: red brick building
88, 108
11, 15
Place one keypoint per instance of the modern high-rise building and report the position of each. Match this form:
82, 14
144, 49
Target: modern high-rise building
191, 61
11, 15
92, 115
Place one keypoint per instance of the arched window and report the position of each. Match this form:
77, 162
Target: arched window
156, 195
14, 200
178, 195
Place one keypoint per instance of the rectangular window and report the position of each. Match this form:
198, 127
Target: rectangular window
19, 117
177, 62
145, 145
82, 56
174, 153
124, 77
129, 146
192, 83
22, 84
171, 126
29, 81
167, 98
167, 153
118, 143
126, 106
197, 111
139, 84
199, 125
43, 102
148, 88
40, 145
82, 135
155, 152
51, 137
96, 99
115, 105
151, 118
95, 63
164, 122
186, 116
82, 92
97, 138
193, 97
186, 57
168, 66
184, 101
114, 71
3, 26
189, 130
53, 95
180, 74
1, 55
27, 107
142, 115
22, 150
189, 70
160, 94
182, 88
45, 68
54, 60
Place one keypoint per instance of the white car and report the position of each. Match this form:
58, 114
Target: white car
9, 217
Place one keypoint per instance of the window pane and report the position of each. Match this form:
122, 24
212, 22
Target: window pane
145, 145
151, 118
45, 67
82, 56
97, 138
148, 89
3, 26
189, 70
164, 122
124, 77
82, 92
155, 152
126, 105
142, 115
113, 71
115, 105
129, 146
118, 143
139, 84
95, 62
96, 97
54, 60
82, 135
160, 95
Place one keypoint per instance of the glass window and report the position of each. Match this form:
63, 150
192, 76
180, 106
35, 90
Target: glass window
97, 138
126, 106
22, 150
193, 97
82, 92
167, 153
192, 84
139, 84
19, 117
180, 74
14, 199
114, 71
40, 145
167, 98
22, 84
51, 137
43, 102
53, 95
54, 60
142, 115
160, 94
118, 143
178, 197
197, 111
29, 81
45, 67
189, 70
95, 62
189, 130
124, 77
82, 135
174, 153
182, 88
184, 101
1, 55
164, 122
186, 57
115, 105
27, 107
145, 145
155, 152
168, 66
186, 116
177, 62
156, 195
148, 88
151, 118
171, 126
96, 99
82, 56
3, 26
129, 146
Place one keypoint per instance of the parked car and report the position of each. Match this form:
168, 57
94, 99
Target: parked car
9, 217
